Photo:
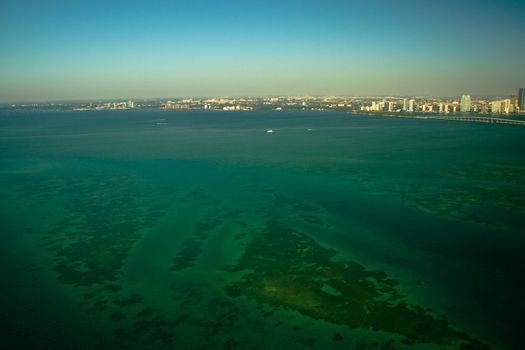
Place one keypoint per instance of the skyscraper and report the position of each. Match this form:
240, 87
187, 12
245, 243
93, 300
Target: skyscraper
465, 104
521, 99
411, 105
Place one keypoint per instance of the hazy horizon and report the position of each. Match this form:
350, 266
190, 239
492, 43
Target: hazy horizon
161, 98
61, 51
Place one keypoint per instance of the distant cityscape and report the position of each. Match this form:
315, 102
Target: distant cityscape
465, 104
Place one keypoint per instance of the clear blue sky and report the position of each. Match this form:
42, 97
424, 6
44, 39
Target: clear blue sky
57, 49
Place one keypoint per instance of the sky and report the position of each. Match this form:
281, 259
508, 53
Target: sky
56, 50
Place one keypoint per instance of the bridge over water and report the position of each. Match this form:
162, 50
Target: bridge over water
478, 119
463, 118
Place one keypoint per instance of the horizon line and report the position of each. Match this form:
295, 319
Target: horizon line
135, 99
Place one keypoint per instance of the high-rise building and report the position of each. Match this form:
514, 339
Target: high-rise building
495, 106
506, 105
466, 103
521, 99
411, 105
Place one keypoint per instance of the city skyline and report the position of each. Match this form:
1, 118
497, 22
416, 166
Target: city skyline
465, 104
70, 51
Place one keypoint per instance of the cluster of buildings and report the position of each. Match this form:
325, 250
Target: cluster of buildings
505, 106
356, 104
367, 104
115, 105
464, 104
106, 105
175, 105
510, 105
233, 108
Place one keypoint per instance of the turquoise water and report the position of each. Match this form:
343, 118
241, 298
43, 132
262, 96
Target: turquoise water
199, 230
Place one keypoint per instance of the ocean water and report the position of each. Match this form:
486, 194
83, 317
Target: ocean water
151, 229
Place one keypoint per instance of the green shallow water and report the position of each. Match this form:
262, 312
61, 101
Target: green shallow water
199, 230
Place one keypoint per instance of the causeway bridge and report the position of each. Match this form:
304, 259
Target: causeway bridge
478, 119
463, 118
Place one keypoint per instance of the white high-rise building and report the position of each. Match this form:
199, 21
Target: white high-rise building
466, 103
506, 106
411, 105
